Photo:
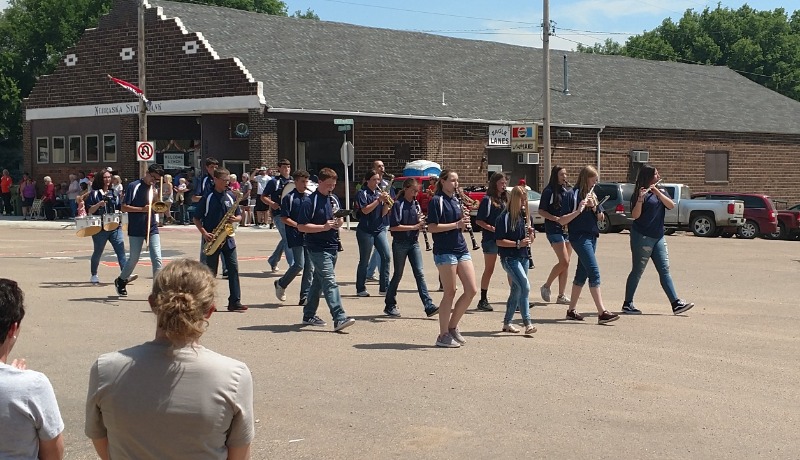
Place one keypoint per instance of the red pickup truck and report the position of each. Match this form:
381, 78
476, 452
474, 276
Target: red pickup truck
788, 224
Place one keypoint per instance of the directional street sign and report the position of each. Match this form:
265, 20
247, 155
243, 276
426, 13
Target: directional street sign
343, 121
145, 151
345, 127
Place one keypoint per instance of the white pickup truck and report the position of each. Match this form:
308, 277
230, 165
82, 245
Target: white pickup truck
701, 217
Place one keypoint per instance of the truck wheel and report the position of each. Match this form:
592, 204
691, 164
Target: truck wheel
604, 225
703, 225
749, 230
781, 234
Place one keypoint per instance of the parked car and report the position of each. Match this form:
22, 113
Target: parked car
760, 215
617, 207
788, 223
703, 217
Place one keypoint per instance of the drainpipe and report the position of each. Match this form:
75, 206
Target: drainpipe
598, 148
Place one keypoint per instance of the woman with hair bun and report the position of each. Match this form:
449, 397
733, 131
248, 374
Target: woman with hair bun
172, 397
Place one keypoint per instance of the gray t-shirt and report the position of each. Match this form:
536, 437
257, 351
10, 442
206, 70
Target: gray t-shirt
153, 401
28, 412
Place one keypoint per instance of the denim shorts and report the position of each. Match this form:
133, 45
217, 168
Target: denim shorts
489, 247
557, 238
450, 259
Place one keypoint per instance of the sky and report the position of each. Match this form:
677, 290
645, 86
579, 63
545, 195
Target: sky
516, 21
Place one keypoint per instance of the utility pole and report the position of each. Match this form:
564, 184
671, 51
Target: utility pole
546, 93
142, 72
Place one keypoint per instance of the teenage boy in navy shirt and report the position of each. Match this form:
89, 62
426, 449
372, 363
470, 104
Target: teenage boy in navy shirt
208, 213
291, 206
317, 221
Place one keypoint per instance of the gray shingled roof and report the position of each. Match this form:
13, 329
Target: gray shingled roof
327, 66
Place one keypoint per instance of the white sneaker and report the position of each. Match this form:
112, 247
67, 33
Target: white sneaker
280, 292
95, 279
545, 292
132, 278
563, 300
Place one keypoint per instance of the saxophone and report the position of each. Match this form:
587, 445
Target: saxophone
224, 229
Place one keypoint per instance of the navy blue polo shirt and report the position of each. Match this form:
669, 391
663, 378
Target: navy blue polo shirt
651, 220
372, 223
503, 231
274, 189
96, 196
547, 203
404, 213
487, 212
203, 185
443, 209
586, 222
291, 207
212, 208
317, 210
138, 194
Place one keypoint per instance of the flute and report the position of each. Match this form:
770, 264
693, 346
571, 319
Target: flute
424, 225
475, 245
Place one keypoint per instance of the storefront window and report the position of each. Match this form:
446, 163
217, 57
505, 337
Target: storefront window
110, 148
59, 150
42, 150
92, 149
75, 153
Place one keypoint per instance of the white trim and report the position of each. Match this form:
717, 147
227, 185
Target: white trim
386, 115
36, 152
116, 148
228, 104
80, 152
86, 147
53, 149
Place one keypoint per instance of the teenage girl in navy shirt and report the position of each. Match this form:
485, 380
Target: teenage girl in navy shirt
581, 213
446, 222
550, 208
492, 204
648, 206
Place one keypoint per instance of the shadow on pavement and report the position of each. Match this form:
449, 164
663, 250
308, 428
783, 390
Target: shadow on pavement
391, 346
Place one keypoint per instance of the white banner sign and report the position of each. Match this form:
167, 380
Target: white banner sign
499, 135
173, 161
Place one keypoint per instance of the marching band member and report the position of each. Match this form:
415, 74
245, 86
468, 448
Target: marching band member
208, 213
648, 206
317, 221
581, 213
512, 235
492, 204
446, 219
375, 206
550, 208
272, 198
203, 185
100, 201
405, 223
291, 206
138, 198
374, 261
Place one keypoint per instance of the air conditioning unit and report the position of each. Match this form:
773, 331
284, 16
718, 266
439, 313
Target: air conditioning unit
640, 156
529, 158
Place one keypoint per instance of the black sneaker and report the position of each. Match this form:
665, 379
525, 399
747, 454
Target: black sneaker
607, 317
574, 315
431, 311
391, 311
339, 325
302, 301
237, 308
629, 309
680, 306
483, 305
225, 275
120, 285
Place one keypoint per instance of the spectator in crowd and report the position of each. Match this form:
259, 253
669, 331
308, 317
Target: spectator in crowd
73, 191
168, 198
49, 198
180, 200
235, 185
27, 189
80, 205
261, 179
116, 184
31, 422
172, 397
83, 179
246, 187
5, 192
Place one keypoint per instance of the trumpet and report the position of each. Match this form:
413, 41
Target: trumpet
464, 210
386, 190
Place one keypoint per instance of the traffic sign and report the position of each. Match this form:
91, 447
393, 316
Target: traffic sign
347, 153
145, 151
524, 138
345, 127
343, 121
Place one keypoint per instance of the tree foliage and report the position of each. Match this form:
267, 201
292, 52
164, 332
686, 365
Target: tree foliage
763, 46
35, 33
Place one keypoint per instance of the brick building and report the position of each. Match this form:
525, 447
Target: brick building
249, 89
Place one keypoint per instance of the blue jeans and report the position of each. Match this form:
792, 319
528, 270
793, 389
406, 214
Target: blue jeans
203, 256
374, 261
517, 269
366, 241
585, 247
324, 283
100, 239
279, 249
183, 213
644, 248
410, 249
301, 264
136, 243
232, 264
73, 208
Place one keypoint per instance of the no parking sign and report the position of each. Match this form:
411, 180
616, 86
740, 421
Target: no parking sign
145, 151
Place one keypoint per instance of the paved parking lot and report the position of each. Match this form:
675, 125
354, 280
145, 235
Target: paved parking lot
719, 382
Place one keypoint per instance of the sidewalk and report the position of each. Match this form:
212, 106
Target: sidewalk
17, 222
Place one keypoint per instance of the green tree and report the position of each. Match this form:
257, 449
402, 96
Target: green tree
763, 46
309, 14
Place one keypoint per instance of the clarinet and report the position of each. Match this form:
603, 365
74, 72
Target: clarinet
475, 245
527, 233
424, 227
334, 208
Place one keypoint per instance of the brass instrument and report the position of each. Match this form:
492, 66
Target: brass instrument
160, 206
464, 211
224, 229
387, 189
424, 225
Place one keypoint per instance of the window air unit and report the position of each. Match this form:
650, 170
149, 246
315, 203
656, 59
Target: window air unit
529, 158
640, 156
